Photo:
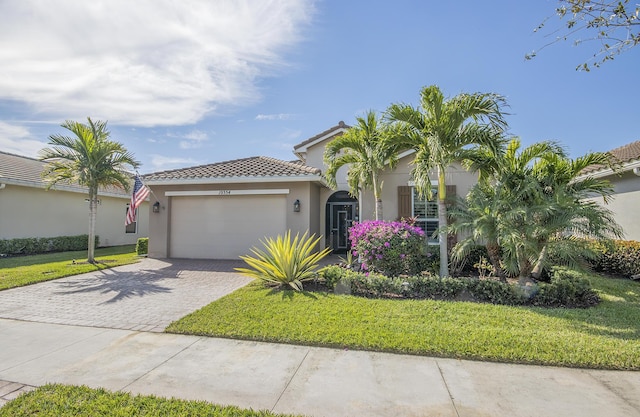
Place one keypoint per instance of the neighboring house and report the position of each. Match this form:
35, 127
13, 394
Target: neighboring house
625, 203
27, 209
222, 210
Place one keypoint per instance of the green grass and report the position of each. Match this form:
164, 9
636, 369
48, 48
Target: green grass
25, 270
606, 336
70, 401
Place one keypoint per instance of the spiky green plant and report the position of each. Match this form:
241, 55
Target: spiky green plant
285, 260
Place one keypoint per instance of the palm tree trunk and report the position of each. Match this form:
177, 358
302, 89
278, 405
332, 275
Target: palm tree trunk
493, 250
376, 196
93, 208
442, 224
537, 269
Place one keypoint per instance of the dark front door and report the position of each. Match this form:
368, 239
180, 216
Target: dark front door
341, 216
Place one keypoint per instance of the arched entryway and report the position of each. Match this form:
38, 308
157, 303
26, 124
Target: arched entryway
341, 211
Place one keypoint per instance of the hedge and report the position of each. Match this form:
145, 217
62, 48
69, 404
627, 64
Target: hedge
142, 246
35, 245
566, 289
617, 257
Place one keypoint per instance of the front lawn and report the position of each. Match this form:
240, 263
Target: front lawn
25, 270
68, 401
606, 336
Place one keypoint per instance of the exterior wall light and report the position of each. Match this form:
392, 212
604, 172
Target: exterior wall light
296, 206
156, 207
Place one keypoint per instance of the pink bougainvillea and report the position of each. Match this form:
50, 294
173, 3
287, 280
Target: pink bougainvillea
390, 248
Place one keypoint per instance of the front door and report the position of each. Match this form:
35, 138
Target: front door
341, 216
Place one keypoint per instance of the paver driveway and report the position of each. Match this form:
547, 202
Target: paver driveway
146, 296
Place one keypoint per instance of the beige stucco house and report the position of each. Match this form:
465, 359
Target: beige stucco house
221, 210
625, 204
27, 209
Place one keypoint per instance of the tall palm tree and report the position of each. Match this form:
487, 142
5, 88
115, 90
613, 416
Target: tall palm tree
88, 158
443, 131
367, 149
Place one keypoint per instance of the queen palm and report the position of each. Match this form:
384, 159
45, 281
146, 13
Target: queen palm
443, 131
90, 159
367, 150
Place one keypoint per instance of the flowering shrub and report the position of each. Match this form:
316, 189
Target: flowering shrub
389, 248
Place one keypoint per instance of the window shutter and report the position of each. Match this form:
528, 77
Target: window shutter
451, 195
452, 239
404, 201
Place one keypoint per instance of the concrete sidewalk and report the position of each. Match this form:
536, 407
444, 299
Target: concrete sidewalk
304, 380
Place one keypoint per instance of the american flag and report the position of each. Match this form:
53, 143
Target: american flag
140, 192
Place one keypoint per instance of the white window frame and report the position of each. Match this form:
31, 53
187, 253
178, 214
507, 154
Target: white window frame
430, 240
135, 223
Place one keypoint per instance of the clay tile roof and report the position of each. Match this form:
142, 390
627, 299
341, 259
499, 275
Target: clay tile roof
627, 153
622, 155
25, 171
257, 166
20, 168
340, 125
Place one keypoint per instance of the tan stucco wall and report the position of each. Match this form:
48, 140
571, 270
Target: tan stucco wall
455, 175
35, 212
625, 204
307, 193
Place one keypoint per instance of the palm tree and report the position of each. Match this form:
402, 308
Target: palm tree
566, 191
443, 131
527, 200
90, 159
367, 149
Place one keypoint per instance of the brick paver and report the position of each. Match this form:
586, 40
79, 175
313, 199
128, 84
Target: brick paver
146, 296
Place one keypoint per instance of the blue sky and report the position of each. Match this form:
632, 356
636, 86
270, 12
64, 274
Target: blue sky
195, 82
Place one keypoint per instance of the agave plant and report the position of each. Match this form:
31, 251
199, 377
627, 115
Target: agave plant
285, 260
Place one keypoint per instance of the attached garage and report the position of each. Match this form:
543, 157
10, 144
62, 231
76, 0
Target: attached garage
223, 226
222, 210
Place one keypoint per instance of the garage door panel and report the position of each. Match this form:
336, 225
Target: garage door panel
223, 227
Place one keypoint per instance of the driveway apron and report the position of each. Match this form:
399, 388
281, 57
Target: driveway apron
146, 296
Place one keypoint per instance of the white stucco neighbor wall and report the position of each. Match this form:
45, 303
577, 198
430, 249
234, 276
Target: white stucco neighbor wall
35, 212
625, 204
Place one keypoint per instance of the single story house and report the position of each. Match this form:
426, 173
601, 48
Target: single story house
221, 210
625, 204
28, 210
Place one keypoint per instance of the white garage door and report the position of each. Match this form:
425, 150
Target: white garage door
224, 227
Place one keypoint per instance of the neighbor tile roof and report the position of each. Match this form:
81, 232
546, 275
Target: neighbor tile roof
622, 155
257, 166
22, 170
627, 153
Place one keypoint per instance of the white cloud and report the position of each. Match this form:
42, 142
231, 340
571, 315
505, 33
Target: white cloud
144, 63
279, 116
163, 163
18, 140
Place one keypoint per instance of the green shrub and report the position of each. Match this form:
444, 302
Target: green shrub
331, 275
475, 254
433, 287
618, 257
285, 261
566, 289
495, 292
142, 246
390, 248
35, 245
